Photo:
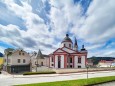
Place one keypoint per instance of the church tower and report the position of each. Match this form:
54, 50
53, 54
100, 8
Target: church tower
75, 45
67, 42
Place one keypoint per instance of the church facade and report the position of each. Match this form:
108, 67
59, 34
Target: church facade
68, 55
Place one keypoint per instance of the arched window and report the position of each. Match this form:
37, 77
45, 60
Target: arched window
70, 45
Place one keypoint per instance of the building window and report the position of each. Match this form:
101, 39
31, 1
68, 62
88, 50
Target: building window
23, 54
70, 66
52, 64
70, 45
64, 45
52, 59
8, 60
42, 64
18, 60
79, 66
19, 53
24, 60
79, 60
70, 60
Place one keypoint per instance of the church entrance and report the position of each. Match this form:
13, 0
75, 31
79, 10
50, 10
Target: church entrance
59, 61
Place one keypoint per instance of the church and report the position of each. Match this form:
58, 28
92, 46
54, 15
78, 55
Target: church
68, 55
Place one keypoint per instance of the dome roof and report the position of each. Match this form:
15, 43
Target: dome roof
67, 39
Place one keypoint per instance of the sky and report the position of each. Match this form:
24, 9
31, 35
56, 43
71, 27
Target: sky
42, 24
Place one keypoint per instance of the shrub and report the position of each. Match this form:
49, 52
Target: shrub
35, 73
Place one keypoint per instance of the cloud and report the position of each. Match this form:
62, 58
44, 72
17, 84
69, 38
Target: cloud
99, 25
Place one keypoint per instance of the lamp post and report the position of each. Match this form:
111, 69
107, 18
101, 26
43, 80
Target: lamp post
87, 66
13, 72
36, 65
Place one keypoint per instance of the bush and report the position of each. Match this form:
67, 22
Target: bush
35, 73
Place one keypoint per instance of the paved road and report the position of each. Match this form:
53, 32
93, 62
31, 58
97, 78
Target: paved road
8, 80
107, 84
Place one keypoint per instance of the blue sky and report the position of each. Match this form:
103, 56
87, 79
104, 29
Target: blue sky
42, 24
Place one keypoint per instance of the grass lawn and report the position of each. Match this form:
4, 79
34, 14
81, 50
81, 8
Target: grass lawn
80, 82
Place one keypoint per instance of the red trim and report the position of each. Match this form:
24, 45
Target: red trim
69, 48
59, 52
73, 60
65, 61
54, 61
86, 59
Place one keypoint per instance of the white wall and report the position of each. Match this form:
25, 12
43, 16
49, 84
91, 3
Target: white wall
76, 62
66, 44
56, 61
62, 61
82, 64
83, 61
15, 56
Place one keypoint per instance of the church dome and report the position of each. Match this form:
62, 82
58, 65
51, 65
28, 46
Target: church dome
67, 39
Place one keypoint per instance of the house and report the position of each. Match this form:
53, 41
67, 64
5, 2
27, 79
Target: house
16, 61
104, 63
90, 63
39, 59
68, 55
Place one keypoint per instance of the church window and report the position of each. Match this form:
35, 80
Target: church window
70, 45
52, 59
70, 66
70, 60
79, 66
59, 58
52, 64
79, 60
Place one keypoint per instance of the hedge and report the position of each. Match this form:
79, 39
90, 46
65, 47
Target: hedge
35, 73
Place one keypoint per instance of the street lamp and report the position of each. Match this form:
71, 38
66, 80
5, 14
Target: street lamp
36, 65
87, 66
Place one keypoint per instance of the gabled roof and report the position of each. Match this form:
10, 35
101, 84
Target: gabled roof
59, 50
66, 50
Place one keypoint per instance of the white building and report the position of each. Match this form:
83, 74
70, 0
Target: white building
16, 61
68, 55
104, 63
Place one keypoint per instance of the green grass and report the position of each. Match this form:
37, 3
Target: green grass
80, 82
35, 73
